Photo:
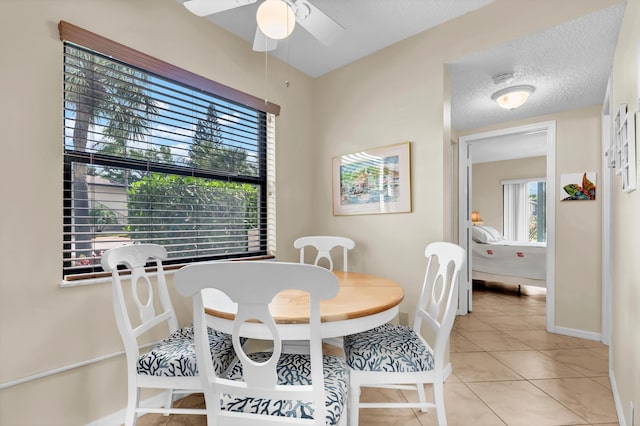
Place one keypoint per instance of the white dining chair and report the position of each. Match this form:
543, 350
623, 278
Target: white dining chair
271, 387
171, 363
399, 357
323, 245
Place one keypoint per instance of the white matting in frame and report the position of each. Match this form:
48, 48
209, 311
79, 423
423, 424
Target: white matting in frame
373, 181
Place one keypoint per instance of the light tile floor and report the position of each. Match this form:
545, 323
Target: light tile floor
507, 370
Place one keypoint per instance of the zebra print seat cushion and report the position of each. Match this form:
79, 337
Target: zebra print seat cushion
176, 355
294, 369
387, 348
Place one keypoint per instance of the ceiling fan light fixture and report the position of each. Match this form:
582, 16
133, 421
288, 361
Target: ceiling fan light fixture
512, 97
275, 19
301, 9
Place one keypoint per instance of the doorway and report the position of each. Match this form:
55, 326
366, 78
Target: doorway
465, 183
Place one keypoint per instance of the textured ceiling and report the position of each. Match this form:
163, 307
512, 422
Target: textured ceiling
568, 65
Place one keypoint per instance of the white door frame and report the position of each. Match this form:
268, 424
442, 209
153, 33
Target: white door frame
605, 193
465, 296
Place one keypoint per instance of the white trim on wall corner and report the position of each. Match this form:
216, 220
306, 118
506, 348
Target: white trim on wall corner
606, 197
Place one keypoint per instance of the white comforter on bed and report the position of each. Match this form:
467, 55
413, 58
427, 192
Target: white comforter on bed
514, 258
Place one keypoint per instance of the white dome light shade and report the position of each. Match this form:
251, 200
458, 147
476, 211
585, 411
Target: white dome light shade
512, 97
275, 19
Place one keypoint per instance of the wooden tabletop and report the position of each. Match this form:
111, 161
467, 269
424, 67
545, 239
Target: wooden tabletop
360, 295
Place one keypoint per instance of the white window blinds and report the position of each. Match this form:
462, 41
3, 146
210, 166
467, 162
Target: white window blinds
524, 210
154, 160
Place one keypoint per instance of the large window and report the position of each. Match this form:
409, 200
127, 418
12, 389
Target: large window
524, 210
149, 159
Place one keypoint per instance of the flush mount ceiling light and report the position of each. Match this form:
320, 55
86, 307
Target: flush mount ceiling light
275, 19
512, 97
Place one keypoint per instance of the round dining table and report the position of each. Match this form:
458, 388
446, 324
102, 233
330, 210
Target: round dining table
363, 302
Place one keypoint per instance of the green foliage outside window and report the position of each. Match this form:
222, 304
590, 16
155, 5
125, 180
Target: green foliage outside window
217, 221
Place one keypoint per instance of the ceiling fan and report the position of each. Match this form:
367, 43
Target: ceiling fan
312, 19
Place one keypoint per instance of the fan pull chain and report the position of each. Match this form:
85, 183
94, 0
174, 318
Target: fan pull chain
266, 68
288, 40
287, 81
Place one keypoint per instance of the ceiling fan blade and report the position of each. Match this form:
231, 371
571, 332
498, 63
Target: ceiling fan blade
209, 7
262, 43
317, 23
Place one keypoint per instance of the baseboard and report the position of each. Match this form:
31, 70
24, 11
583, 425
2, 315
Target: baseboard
616, 399
117, 418
589, 335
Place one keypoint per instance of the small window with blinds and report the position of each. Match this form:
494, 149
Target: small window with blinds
148, 159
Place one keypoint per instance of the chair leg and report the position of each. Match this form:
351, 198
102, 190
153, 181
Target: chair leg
133, 399
438, 398
169, 400
354, 405
212, 402
421, 396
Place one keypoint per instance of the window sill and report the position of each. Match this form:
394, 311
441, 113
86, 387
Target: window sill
101, 280
168, 270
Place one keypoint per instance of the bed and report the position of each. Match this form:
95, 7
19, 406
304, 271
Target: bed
509, 262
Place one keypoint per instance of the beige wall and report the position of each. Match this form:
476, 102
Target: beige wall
395, 95
625, 341
578, 226
365, 106
487, 184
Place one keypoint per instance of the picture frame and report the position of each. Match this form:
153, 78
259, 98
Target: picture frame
578, 186
374, 181
625, 140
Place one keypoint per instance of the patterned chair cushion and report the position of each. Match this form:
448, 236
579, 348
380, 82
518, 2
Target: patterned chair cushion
388, 348
176, 355
294, 369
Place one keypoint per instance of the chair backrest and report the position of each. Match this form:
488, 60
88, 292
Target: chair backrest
323, 244
133, 286
252, 285
437, 305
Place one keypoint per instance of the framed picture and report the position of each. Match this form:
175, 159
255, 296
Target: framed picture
578, 186
626, 147
374, 181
